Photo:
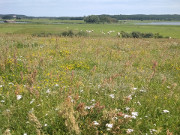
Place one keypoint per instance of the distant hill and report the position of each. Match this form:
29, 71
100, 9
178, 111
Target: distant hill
118, 17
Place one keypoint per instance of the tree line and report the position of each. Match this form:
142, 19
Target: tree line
147, 17
101, 18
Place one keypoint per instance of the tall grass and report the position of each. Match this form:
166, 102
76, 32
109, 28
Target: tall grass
83, 85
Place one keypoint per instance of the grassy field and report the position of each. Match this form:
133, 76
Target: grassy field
99, 29
48, 21
95, 85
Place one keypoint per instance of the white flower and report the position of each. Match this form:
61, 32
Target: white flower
134, 88
127, 116
18, 97
128, 131
93, 100
152, 130
56, 85
134, 117
127, 108
115, 118
81, 91
71, 99
165, 111
11, 83
32, 110
129, 97
95, 123
135, 113
1, 86
45, 125
108, 129
48, 91
2, 101
25, 134
89, 107
111, 95
118, 109
109, 125
142, 90
32, 101
138, 103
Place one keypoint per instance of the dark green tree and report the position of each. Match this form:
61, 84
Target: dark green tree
92, 19
7, 17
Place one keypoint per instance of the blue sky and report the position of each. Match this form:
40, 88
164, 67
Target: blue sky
88, 7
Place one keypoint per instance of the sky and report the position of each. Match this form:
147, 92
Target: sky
59, 8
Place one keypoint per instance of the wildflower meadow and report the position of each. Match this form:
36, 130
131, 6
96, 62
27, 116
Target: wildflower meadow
60, 85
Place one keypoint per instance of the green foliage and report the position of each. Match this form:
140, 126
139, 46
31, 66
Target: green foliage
22, 45
137, 35
157, 35
148, 35
147, 17
125, 35
43, 34
100, 19
7, 17
92, 19
107, 19
68, 33
140, 35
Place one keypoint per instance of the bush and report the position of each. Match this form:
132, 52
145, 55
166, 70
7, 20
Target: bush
148, 35
137, 35
69, 33
140, 35
157, 35
125, 35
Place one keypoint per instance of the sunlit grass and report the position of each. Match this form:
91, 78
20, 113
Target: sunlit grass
100, 30
61, 85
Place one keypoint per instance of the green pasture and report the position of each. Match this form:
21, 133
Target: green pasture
171, 31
